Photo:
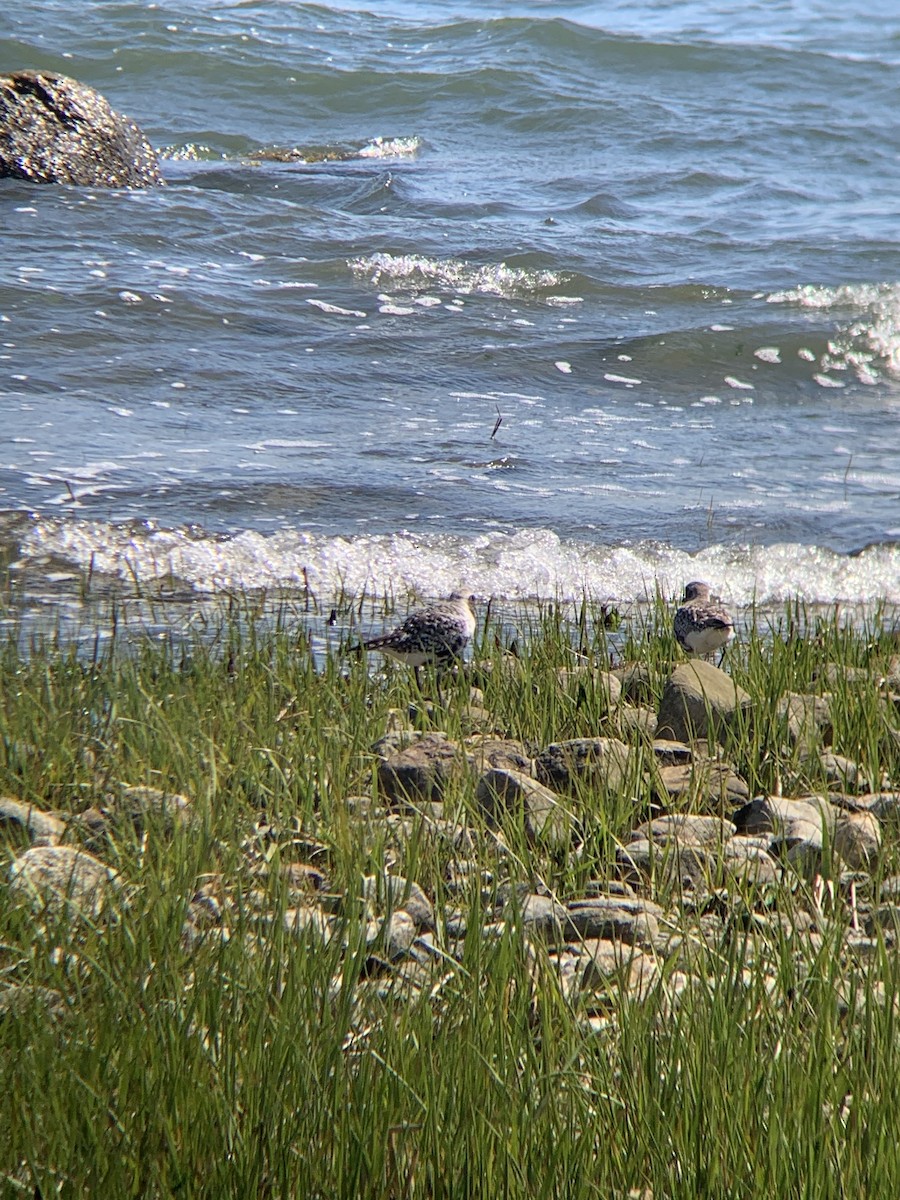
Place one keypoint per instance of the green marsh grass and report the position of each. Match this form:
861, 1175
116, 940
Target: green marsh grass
254, 1061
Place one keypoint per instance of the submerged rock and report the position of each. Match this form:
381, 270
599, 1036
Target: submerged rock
56, 130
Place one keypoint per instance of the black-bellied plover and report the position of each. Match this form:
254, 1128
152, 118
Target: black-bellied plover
436, 634
702, 625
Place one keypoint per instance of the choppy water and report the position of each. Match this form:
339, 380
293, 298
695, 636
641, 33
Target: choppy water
658, 239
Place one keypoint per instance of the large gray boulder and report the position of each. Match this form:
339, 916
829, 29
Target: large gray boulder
699, 701
56, 130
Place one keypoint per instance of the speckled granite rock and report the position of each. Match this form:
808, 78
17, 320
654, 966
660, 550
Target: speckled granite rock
52, 876
56, 130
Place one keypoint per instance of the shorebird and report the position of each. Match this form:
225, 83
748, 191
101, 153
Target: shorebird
702, 625
436, 634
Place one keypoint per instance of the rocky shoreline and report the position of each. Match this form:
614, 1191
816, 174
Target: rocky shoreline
704, 859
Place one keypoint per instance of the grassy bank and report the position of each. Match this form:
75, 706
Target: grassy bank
197, 1037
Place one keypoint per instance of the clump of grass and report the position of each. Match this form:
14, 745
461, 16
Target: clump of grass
255, 1060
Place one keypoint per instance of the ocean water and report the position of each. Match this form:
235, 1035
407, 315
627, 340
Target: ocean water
538, 299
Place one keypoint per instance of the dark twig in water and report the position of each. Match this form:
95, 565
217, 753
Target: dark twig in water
497, 423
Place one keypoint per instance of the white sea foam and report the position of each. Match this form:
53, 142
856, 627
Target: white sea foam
415, 271
870, 336
398, 147
528, 564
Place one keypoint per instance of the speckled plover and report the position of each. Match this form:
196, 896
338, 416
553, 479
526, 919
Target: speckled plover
436, 634
702, 625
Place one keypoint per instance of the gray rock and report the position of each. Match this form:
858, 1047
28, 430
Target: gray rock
486, 752
147, 807
599, 761
540, 916
504, 794
39, 827
56, 130
613, 919
687, 828
307, 921
396, 892
780, 815
633, 721
841, 774
807, 719
637, 684
699, 701
55, 877
857, 839
422, 770
704, 781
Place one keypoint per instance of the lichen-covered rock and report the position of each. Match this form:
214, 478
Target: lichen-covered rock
602, 761
422, 770
486, 752
56, 130
699, 701
146, 807
55, 876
